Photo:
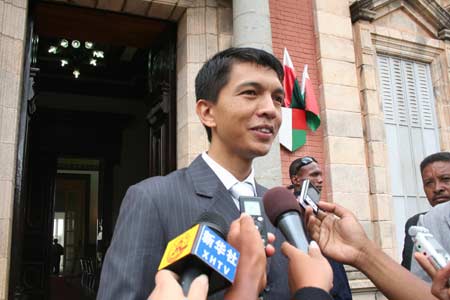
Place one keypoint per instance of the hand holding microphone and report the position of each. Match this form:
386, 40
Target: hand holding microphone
283, 211
439, 287
202, 250
308, 269
251, 272
167, 287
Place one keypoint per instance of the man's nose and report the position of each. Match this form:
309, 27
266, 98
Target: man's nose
267, 107
439, 187
320, 179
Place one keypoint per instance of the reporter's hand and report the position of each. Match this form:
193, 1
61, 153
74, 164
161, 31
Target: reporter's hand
251, 270
167, 287
308, 270
439, 287
338, 233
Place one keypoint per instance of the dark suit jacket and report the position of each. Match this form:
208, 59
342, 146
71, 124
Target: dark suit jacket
408, 244
341, 288
311, 293
158, 209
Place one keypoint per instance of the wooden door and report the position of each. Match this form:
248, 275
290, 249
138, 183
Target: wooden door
162, 106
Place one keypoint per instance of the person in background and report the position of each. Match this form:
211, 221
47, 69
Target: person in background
435, 171
56, 251
304, 168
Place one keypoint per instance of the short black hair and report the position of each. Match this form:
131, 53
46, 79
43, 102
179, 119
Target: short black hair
214, 74
438, 156
297, 164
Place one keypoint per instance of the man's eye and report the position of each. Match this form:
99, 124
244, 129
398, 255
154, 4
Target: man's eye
279, 99
249, 92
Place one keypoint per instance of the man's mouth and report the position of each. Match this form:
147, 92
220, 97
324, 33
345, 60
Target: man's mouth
441, 199
266, 129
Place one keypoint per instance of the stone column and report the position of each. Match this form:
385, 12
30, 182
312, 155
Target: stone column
442, 93
251, 28
251, 24
203, 30
12, 33
346, 169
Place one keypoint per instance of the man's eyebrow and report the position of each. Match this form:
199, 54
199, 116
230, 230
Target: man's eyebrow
279, 91
257, 85
249, 83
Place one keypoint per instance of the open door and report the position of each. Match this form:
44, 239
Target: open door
162, 114
31, 222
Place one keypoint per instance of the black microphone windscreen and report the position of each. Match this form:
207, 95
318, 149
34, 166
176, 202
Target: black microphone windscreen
214, 221
277, 201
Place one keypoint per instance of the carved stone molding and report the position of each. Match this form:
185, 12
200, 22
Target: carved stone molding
438, 16
444, 34
361, 10
404, 48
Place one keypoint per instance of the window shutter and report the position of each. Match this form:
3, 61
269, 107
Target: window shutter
426, 101
385, 79
411, 134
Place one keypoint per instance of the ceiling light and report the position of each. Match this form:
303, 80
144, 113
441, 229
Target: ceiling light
88, 45
76, 73
98, 54
64, 43
52, 49
64, 62
93, 62
76, 44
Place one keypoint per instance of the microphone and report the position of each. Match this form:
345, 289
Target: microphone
202, 249
283, 211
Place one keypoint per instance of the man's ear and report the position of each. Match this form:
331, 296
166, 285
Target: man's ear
296, 180
205, 112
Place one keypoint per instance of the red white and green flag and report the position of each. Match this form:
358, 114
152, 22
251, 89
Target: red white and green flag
300, 109
311, 105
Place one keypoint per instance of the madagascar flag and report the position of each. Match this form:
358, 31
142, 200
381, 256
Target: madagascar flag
311, 106
292, 132
300, 107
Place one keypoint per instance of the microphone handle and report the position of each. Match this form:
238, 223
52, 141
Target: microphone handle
291, 226
187, 279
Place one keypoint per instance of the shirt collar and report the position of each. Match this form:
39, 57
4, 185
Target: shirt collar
225, 176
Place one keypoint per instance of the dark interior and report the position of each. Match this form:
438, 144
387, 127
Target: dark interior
88, 138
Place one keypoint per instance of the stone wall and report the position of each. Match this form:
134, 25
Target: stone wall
203, 30
12, 34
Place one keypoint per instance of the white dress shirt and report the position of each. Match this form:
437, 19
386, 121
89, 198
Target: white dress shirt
227, 178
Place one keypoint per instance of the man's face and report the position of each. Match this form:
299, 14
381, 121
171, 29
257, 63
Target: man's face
312, 172
436, 182
247, 115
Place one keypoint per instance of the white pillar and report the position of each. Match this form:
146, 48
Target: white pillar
251, 28
251, 24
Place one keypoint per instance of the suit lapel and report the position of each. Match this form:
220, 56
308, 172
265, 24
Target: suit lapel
213, 195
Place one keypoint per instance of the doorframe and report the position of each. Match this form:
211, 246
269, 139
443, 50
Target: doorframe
21, 171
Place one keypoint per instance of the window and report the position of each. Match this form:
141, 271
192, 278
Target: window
411, 133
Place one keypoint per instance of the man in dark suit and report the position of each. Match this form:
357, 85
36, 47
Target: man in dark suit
304, 168
435, 171
239, 95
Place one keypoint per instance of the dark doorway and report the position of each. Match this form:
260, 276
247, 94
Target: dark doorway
93, 129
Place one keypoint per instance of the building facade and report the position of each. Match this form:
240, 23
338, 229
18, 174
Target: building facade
380, 69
